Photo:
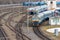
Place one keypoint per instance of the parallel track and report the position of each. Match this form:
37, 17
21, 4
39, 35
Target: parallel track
20, 34
39, 33
19, 24
2, 30
10, 26
15, 30
1, 17
3, 35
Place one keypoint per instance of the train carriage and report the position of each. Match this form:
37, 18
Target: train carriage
37, 9
36, 20
48, 14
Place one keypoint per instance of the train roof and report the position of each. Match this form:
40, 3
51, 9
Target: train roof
43, 13
37, 7
44, 6
58, 8
40, 14
30, 9
47, 12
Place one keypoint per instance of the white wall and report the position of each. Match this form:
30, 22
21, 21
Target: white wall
51, 6
52, 22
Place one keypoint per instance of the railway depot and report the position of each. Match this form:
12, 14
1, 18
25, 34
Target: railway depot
30, 20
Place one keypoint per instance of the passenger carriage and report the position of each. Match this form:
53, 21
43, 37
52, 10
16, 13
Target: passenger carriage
37, 19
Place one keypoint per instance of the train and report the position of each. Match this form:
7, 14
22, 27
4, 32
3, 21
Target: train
40, 17
37, 9
33, 3
37, 3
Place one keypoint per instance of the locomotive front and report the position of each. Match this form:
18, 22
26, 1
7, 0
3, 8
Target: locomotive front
35, 21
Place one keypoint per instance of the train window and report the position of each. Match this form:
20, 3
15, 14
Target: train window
58, 10
39, 11
56, 20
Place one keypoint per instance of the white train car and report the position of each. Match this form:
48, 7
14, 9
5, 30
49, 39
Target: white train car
40, 17
47, 14
37, 9
43, 8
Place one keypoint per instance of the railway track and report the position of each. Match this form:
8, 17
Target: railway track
2, 17
19, 24
15, 30
20, 34
39, 33
18, 30
3, 35
2, 32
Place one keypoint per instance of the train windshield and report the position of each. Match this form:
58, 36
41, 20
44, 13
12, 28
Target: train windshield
35, 22
58, 10
35, 19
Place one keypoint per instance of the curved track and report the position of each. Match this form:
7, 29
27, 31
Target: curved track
1, 17
39, 33
3, 35
2, 32
7, 24
19, 24
18, 32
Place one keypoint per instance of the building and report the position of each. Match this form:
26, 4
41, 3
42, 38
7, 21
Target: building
51, 4
54, 20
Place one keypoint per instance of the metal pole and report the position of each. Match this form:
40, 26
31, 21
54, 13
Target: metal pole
28, 20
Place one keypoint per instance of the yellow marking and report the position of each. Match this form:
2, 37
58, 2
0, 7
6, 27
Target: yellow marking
52, 8
35, 21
